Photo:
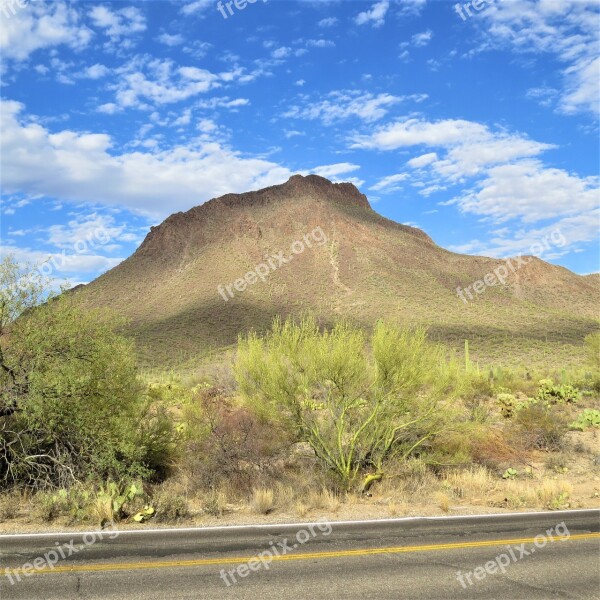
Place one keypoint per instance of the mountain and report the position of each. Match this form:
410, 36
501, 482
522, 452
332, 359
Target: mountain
359, 265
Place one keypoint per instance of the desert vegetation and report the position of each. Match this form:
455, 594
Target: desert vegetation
305, 419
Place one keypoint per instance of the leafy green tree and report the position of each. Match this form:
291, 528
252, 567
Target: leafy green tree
70, 400
358, 405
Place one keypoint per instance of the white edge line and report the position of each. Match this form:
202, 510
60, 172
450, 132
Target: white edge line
296, 525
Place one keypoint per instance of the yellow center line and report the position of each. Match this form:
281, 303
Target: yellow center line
298, 556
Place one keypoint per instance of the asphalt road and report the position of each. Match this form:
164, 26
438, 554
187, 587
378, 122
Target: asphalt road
524, 556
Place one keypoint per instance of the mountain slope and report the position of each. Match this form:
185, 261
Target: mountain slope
368, 268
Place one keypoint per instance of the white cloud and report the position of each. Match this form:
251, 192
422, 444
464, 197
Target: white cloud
292, 133
375, 16
548, 242
171, 40
119, 23
531, 192
79, 167
321, 43
42, 25
328, 22
86, 233
96, 71
110, 108
144, 82
508, 182
390, 183
198, 7
345, 104
282, 52
423, 160
222, 102
412, 132
566, 30
470, 147
60, 263
332, 171
422, 39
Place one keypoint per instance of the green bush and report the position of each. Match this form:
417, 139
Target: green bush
538, 428
71, 403
170, 506
356, 406
557, 394
590, 417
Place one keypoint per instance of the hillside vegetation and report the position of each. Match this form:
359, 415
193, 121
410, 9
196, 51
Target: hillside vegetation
368, 268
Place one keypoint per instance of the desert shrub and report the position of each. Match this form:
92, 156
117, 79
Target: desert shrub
70, 399
493, 449
557, 394
157, 440
118, 500
215, 502
539, 428
472, 385
47, 506
169, 505
509, 404
590, 417
229, 445
9, 505
356, 407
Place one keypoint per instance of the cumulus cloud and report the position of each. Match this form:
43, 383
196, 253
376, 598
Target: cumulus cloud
144, 82
118, 23
81, 167
530, 192
507, 181
171, 39
470, 146
375, 16
390, 183
332, 171
39, 26
566, 30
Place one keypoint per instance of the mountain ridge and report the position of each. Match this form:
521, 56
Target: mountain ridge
370, 267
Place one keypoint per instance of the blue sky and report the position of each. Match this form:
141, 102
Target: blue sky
482, 130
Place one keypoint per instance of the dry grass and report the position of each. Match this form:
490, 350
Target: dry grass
285, 496
548, 494
397, 507
301, 509
214, 503
443, 501
262, 501
470, 484
101, 509
9, 505
324, 499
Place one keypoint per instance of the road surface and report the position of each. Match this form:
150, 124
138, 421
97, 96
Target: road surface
505, 557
